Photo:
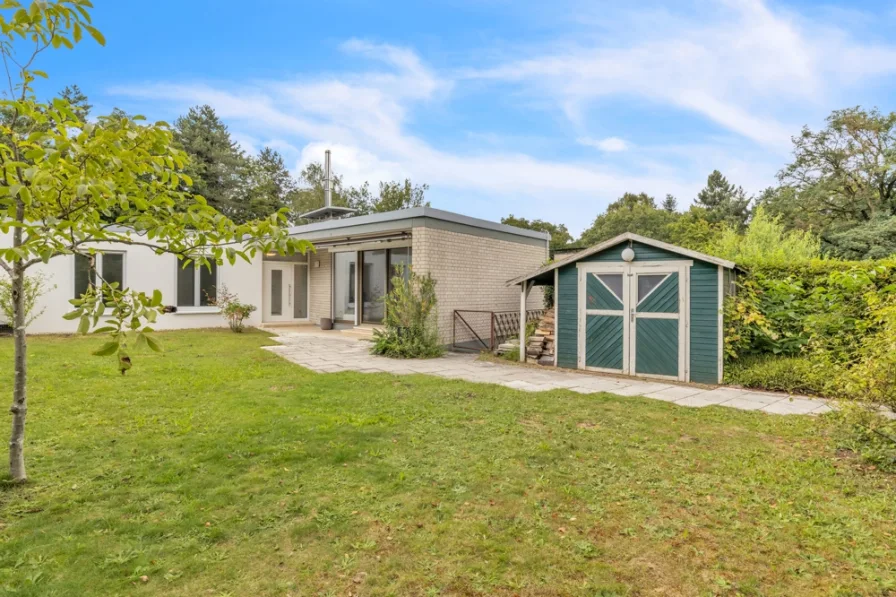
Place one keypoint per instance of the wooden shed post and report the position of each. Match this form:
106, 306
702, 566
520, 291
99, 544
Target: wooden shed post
525, 287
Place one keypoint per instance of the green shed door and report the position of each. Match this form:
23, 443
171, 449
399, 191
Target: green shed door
605, 321
657, 329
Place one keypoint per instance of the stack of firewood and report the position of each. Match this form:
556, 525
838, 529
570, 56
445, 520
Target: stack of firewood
543, 340
539, 346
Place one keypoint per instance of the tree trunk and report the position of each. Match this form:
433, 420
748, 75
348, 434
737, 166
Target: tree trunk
19, 406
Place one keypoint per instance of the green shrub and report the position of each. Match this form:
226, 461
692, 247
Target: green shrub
836, 315
798, 375
232, 309
409, 326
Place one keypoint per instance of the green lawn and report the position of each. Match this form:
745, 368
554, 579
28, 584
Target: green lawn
217, 468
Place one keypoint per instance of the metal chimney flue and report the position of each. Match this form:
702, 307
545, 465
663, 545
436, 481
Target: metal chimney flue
328, 199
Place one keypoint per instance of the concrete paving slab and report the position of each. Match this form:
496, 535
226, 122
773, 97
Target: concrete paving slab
673, 393
325, 352
797, 406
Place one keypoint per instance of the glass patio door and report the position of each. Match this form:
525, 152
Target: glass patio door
344, 286
373, 285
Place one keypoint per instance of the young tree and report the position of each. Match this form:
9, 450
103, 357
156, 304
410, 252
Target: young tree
724, 202
71, 186
218, 168
560, 236
630, 213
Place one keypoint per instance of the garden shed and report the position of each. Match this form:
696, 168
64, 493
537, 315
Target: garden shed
633, 305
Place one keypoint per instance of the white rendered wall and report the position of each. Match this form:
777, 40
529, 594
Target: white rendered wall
146, 271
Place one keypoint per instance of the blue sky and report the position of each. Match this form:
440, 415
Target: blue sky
541, 109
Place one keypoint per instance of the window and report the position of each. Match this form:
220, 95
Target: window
399, 261
110, 266
613, 282
647, 283
196, 285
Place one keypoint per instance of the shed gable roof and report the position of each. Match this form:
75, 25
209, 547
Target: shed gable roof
607, 244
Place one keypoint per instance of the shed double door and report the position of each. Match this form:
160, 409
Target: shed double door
633, 319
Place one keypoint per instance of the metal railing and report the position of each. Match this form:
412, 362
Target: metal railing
485, 330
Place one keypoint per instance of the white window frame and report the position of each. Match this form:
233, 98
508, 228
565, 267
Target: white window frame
98, 265
197, 291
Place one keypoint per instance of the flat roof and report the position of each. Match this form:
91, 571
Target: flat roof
396, 220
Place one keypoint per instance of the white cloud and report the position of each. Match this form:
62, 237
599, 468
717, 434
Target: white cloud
356, 166
609, 144
751, 70
756, 73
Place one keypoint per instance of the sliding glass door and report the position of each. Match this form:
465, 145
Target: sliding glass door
373, 285
344, 286
368, 273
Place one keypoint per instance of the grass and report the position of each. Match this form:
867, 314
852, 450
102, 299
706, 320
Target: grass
217, 468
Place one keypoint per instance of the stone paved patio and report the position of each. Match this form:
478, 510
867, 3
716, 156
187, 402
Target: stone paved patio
330, 353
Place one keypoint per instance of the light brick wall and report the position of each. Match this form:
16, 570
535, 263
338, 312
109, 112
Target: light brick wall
320, 285
471, 271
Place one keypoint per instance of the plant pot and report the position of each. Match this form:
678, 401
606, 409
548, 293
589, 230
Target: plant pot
326, 323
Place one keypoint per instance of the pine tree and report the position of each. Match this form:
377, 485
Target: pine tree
269, 186
78, 101
724, 202
218, 167
670, 204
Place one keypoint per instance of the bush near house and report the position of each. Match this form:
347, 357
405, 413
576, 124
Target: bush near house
821, 327
409, 326
833, 320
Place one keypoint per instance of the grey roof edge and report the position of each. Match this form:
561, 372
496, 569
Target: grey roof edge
417, 212
615, 241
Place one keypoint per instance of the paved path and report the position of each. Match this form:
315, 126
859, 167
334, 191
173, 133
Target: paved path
331, 353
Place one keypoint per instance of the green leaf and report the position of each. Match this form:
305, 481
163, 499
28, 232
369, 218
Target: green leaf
156, 298
153, 343
72, 315
84, 325
95, 34
106, 349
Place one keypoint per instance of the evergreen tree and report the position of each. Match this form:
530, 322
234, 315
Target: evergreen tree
670, 204
269, 187
218, 167
724, 202
77, 100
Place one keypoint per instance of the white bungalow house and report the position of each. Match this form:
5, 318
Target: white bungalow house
344, 280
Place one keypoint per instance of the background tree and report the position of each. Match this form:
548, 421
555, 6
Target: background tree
724, 202
693, 230
670, 204
842, 183
269, 187
63, 177
392, 195
560, 236
77, 100
217, 166
399, 195
310, 192
766, 241
636, 213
